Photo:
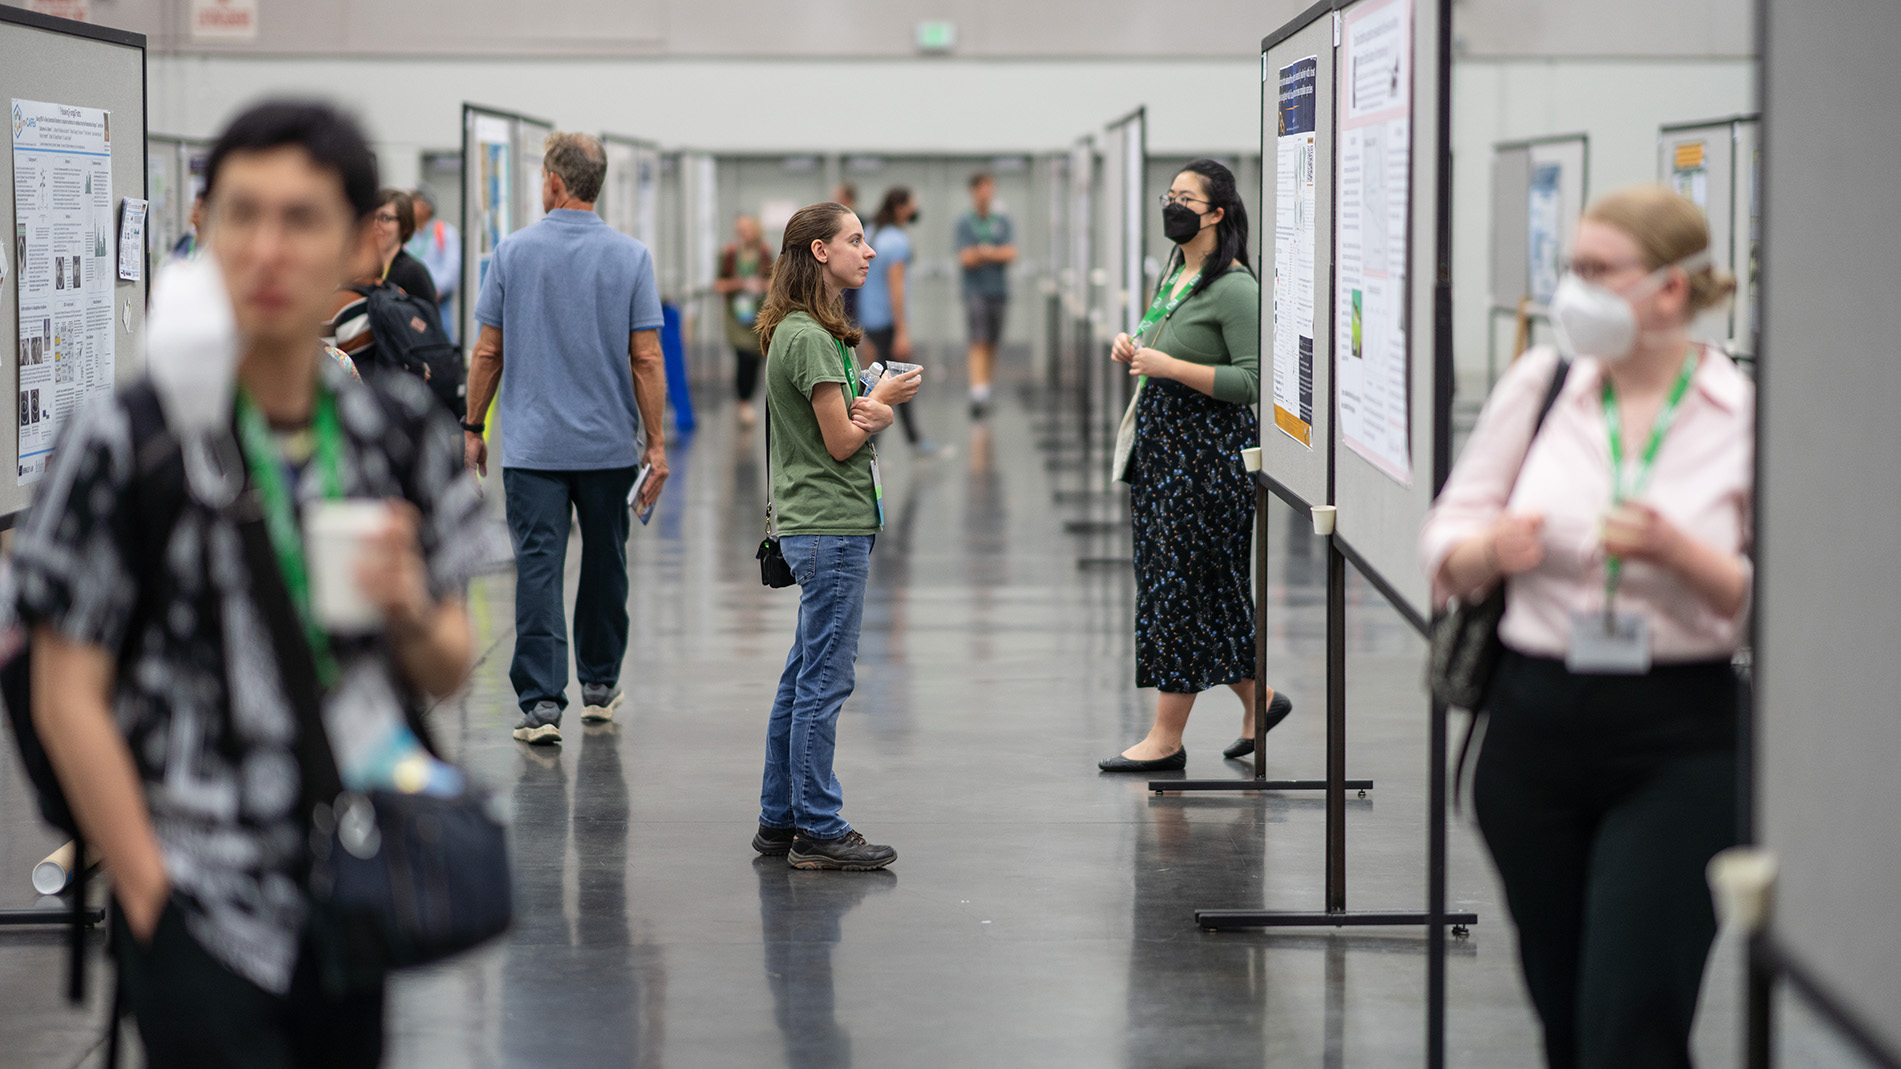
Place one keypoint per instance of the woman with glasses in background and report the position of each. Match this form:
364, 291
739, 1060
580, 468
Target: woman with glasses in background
1197, 354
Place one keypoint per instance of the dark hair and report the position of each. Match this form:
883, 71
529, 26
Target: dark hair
895, 199
980, 177
1231, 233
798, 279
405, 206
331, 138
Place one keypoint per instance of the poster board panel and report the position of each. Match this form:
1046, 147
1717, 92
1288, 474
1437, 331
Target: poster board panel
1381, 512
79, 66
1745, 231
1511, 198
1698, 160
1302, 360
1827, 800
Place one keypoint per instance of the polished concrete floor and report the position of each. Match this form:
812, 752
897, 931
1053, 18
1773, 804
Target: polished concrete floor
1039, 914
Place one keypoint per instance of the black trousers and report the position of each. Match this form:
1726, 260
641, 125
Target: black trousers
1602, 798
193, 1013
880, 340
746, 373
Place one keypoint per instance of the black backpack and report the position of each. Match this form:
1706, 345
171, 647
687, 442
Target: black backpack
158, 498
408, 336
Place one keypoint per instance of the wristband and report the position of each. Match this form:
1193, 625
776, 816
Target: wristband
475, 428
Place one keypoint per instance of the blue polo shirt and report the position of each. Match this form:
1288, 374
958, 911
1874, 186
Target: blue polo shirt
567, 293
893, 246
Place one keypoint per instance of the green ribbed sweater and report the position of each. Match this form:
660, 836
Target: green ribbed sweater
1221, 326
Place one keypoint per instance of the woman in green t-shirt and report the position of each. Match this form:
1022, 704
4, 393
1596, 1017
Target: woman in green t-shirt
828, 503
1192, 504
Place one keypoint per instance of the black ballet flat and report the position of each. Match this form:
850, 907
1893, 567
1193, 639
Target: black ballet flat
1277, 711
1174, 762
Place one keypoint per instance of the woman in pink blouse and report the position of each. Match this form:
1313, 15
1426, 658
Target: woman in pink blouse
1622, 532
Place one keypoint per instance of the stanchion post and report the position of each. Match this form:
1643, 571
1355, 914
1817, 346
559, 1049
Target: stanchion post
1336, 728
1436, 892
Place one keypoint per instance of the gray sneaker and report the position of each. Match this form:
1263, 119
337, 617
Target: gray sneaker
598, 701
540, 726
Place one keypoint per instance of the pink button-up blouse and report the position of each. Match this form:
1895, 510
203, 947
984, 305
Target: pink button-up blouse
1704, 483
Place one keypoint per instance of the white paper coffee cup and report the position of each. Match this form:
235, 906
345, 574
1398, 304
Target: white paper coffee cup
1324, 516
1251, 458
336, 536
1743, 883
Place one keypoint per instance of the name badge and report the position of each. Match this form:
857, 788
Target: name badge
877, 490
1609, 644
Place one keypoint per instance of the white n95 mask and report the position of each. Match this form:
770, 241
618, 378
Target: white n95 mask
191, 353
1592, 320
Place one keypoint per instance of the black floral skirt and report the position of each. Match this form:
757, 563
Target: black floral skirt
1193, 507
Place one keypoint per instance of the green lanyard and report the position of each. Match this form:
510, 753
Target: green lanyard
1163, 305
268, 471
1623, 488
844, 361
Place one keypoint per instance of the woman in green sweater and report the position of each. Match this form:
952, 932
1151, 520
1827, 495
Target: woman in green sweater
829, 506
1191, 500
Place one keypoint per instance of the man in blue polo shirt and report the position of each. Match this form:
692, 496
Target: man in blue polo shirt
574, 306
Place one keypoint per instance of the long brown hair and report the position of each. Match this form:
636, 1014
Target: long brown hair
798, 279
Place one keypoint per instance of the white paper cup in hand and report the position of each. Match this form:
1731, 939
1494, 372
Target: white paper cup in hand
336, 538
1251, 458
1324, 515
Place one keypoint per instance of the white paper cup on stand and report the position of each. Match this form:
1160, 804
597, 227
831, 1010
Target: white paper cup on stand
1251, 458
1324, 515
336, 538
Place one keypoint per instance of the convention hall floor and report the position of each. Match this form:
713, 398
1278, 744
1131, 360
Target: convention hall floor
1039, 914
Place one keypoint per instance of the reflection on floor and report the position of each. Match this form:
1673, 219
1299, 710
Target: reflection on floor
1040, 914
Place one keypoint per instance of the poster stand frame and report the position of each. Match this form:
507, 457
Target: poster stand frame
1340, 553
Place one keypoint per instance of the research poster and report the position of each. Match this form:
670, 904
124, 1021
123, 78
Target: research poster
1690, 172
493, 218
66, 266
1294, 252
1545, 219
1370, 348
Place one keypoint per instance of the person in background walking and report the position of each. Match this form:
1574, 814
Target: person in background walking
884, 299
438, 245
744, 267
395, 221
829, 507
1622, 530
570, 315
986, 247
847, 194
1192, 503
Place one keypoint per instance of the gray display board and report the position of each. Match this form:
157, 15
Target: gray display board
1539, 190
56, 61
1303, 469
1121, 295
501, 192
1828, 801
1699, 160
630, 195
1380, 514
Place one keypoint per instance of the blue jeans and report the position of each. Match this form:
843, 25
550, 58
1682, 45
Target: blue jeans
800, 790
539, 506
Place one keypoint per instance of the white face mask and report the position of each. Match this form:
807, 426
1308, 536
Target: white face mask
1591, 320
191, 352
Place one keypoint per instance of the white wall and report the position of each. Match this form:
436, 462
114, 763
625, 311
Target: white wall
1619, 103
946, 107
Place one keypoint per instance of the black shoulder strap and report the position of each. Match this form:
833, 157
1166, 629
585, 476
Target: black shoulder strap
296, 667
1552, 391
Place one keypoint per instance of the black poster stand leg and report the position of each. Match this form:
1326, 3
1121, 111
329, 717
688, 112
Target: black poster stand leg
1333, 784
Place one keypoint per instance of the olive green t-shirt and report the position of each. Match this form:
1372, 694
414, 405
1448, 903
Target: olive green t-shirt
1221, 326
812, 494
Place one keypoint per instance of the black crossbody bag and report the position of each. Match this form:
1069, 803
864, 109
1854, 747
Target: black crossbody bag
394, 879
1465, 645
773, 570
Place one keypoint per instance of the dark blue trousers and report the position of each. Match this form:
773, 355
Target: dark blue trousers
540, 507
